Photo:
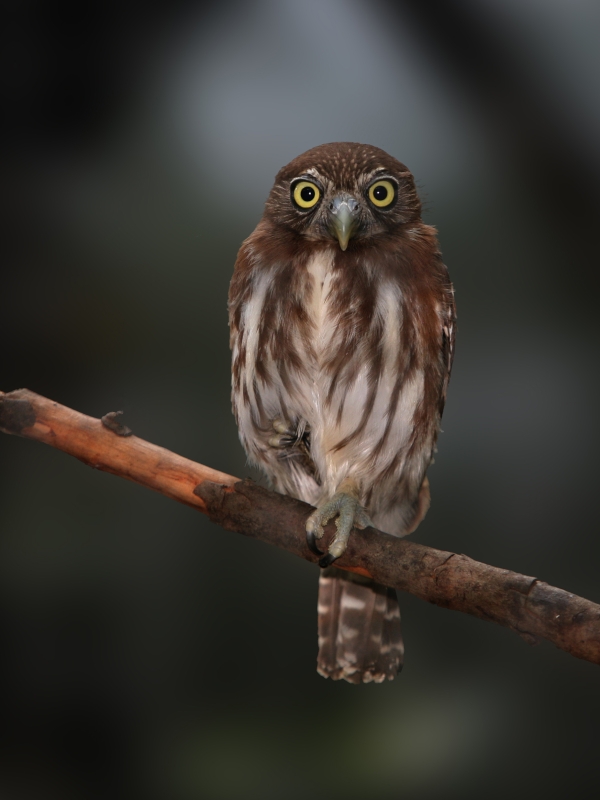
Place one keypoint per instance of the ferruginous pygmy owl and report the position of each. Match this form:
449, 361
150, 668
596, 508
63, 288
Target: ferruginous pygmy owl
342, 330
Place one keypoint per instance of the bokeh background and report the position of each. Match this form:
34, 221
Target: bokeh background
146, 653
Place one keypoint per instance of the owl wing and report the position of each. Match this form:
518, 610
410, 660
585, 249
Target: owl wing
269, 394
448, 338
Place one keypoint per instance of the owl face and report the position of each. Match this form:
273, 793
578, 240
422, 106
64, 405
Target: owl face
342, 193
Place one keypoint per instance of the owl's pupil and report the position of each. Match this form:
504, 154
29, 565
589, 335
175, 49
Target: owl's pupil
307, 193
380, 193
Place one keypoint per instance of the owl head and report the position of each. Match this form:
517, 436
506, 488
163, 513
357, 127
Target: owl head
343, 192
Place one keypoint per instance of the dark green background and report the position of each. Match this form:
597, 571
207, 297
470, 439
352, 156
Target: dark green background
146, 653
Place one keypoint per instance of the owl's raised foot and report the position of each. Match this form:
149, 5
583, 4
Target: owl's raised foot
284, 434
291, 439
350, 514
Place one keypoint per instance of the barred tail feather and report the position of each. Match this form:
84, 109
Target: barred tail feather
360, 639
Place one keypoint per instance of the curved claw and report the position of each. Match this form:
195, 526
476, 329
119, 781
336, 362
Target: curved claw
345, 506
311, 541
327, 560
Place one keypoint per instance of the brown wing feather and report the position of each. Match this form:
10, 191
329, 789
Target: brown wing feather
448, 339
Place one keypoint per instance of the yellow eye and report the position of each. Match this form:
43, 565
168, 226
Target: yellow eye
306, 194
382, 193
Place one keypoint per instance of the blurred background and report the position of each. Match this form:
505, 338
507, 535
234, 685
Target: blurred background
146, 653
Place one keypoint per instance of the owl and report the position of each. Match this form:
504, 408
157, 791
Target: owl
342, 325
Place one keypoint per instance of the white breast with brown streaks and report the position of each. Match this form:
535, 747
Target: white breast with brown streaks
337, 413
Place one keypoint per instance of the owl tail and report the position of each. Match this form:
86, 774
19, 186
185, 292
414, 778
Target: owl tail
360, 639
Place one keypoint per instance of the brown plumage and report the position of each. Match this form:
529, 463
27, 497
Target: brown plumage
342, 331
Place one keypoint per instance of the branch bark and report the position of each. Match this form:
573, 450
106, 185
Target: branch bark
524, 604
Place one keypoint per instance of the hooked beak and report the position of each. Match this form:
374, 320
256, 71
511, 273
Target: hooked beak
343, 217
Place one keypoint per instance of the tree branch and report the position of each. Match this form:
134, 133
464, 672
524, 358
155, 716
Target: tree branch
528, 606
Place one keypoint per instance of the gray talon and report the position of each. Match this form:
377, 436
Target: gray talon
311, 541
345, 506
327, 560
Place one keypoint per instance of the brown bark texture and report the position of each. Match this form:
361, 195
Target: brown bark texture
528, 606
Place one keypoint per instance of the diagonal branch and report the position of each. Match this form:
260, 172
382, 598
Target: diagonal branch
531, 608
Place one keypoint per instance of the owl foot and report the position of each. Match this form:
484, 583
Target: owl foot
350, 514
290, 439
284, 435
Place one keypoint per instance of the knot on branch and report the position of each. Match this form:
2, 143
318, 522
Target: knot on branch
16, 415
